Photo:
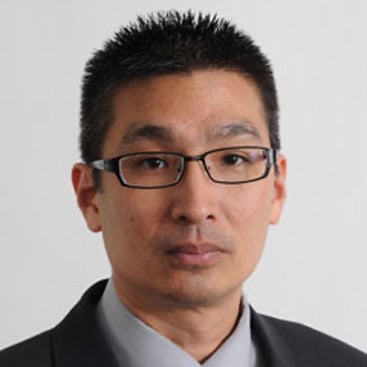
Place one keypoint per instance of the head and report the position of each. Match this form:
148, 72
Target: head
185, 84
169, 43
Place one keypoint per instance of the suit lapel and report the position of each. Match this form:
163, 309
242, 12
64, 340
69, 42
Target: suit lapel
271, 348
78, 340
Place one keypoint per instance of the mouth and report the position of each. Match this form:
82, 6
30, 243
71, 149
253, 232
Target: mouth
195, 255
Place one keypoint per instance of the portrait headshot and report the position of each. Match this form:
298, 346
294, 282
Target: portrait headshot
183, 184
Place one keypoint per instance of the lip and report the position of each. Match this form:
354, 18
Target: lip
195, 255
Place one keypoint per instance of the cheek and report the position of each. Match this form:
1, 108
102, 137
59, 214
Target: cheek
251, 208
130, 219
124, 233
250, 214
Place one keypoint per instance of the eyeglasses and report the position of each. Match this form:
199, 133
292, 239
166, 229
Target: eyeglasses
153, 170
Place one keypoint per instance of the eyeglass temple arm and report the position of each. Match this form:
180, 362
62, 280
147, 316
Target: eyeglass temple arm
105, 165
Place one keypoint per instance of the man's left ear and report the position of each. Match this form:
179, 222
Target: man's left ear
279, 189
85, 191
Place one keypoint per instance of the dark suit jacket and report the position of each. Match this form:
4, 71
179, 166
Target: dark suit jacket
78, 342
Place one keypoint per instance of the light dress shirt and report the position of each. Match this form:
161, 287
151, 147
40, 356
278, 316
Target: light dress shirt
135, 344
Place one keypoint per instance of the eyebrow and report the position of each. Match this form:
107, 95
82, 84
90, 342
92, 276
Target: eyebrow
148, 131
235, 129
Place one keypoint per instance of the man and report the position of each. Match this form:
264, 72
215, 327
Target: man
182, 174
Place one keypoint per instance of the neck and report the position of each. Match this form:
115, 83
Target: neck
198, 329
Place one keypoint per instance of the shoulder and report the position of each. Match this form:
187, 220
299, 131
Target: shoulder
305, 345
76, 341
35, 351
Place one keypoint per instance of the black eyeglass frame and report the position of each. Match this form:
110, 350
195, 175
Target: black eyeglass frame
113, 165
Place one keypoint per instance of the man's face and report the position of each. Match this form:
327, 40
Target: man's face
196, 242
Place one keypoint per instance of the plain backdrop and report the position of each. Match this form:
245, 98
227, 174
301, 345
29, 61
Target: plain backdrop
314, 266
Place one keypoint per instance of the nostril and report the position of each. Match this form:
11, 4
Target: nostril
183, 218
210, 216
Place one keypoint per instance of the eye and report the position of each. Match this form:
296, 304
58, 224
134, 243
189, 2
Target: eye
152, 163
234, 159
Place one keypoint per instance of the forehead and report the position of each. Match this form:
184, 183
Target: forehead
193, 109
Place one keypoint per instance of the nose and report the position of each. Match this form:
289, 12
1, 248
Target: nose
194, 199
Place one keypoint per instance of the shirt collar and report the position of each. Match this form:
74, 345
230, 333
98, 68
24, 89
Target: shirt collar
135, 344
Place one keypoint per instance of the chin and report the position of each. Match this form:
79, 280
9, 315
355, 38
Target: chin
201, 292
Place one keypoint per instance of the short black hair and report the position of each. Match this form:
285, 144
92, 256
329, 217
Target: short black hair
169, 43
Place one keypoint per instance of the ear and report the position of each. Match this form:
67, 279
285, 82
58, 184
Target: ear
85, 191
279, 190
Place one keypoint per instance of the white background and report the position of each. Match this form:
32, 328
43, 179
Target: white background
314, 268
